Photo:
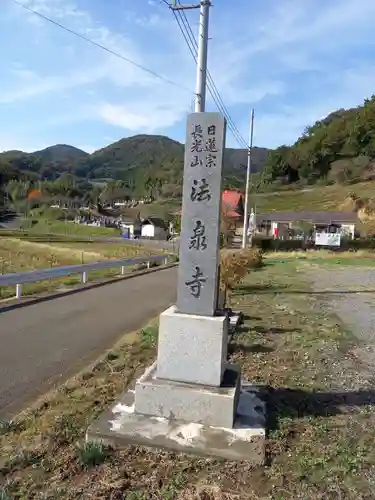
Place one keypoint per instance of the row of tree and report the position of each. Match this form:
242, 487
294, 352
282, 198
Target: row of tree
25, 193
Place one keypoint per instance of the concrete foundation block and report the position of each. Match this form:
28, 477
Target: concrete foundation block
245, 440
190, 402
185, 340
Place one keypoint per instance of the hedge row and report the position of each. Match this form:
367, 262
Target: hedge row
276, 245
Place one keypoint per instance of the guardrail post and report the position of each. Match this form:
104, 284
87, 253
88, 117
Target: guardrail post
18, 279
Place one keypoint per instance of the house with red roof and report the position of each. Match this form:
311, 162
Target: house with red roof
232, 205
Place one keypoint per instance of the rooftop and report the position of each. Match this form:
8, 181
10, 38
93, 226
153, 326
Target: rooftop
314, 217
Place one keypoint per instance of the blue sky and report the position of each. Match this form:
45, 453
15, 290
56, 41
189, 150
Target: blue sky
292, 61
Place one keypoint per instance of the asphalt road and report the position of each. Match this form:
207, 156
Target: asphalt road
41, 344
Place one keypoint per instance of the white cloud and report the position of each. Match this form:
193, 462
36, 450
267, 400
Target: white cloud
287, 123
148, 118
30, 84
21, 143
285, 58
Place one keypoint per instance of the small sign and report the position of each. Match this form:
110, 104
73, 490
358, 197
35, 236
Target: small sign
328, 239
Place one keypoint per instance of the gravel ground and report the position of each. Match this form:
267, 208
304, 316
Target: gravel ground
349, 292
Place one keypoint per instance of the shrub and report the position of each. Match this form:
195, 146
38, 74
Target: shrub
358, 244
235, 264
276, 245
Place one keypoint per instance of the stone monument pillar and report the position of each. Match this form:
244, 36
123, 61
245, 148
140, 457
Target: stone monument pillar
191, 399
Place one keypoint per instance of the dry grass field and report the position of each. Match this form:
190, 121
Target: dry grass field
17, 255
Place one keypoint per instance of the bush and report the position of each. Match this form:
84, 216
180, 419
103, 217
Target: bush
358, 244
276, 245
235, 264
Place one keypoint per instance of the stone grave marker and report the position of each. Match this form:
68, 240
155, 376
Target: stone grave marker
201, 207
191, 398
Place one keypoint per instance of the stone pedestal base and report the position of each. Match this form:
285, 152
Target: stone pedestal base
245, 440
189, 402
191, 399
192, 349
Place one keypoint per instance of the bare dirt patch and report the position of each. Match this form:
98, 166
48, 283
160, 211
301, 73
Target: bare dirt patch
349, 292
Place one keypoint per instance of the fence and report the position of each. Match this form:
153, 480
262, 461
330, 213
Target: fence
18, 279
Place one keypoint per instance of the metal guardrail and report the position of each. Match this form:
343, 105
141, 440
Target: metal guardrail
18, 279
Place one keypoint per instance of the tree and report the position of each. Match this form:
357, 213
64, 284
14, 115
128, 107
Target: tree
303, 228
342, 135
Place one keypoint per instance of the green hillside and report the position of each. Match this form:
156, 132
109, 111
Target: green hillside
338, 149
60, 153
314, 198
145, 163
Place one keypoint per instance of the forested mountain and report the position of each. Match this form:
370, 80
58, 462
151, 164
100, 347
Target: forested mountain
143, 162
339, 148
60, 153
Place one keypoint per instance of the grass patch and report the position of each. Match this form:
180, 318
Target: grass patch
149, 336
320, 442
359, 258
18, 255
321, 425
43, 226
44, 450
7, 426
91, 454
4, 495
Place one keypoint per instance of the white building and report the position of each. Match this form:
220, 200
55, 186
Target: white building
154, 228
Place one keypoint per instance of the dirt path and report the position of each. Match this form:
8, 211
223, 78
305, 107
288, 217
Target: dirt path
349, 292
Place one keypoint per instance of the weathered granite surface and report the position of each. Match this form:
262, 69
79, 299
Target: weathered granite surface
190, 402
192, 348
201, 210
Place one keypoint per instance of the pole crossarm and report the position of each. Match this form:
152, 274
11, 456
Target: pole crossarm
178, 6
185, 7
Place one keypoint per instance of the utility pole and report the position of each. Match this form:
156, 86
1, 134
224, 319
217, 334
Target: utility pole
200, 103
248, 174
201, 82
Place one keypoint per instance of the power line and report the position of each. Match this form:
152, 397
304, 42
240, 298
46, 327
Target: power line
100, 46
190, 40
215, 93
210, 79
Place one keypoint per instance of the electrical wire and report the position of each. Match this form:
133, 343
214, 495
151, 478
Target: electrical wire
189, 39
103, 47
214, 90
212, 86
192, 44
